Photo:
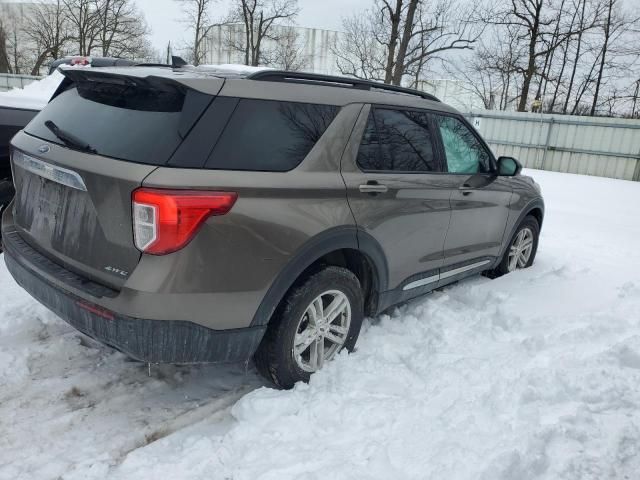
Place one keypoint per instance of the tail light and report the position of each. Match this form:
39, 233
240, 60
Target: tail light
166, 220
81, 61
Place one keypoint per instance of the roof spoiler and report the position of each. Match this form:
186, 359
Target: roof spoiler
97, 75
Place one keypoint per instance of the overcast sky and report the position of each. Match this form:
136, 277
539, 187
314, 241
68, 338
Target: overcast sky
163, 16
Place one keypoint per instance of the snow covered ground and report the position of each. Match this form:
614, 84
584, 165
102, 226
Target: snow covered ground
535, 375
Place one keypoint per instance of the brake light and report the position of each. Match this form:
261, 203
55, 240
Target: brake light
81, 61
166, 220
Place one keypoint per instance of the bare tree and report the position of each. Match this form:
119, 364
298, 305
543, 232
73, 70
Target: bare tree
262, 21
357, 52
580, 7
14, 44
490, 73
619, 41
528, 17
122, 31
288, 51
397, 38
48, 29
107, 28
197, 15
83, 22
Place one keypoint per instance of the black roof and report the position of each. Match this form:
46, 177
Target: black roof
251, 73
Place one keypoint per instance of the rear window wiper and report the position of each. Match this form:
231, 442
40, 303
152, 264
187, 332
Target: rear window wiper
69, 139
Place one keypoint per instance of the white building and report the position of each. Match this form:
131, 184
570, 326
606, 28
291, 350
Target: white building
453, 92
313, 46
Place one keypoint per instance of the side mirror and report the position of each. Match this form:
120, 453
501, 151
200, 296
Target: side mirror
509, 167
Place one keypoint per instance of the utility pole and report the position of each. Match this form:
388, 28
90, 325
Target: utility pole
169, 53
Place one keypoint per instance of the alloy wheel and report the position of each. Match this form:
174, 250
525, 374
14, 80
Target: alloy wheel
322, 330
520, 249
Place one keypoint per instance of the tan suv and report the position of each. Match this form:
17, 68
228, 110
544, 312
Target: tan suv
188, 215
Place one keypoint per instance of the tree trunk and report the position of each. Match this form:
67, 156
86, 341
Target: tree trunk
528, 76
196, 43
531, 65
394, 17
255, 61
548, 60
39, 61
5, 65
404, 43
247, 34
607, 33
576, 60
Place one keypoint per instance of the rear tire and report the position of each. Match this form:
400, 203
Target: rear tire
304, 317
522, 248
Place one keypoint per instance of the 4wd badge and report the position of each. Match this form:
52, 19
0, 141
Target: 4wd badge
116, 271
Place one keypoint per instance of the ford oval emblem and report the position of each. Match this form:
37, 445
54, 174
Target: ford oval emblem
44, 149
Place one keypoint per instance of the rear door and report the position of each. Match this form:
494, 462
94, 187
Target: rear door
397, 194
74, 204
479, 199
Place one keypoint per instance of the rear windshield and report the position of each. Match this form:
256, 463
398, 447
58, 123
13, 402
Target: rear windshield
121, 121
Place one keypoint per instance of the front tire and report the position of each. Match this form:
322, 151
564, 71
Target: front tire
317, 319
522, 248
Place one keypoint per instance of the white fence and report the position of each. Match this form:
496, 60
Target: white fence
605, 147
9, 81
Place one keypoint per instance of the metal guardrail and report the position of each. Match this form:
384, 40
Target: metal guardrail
10, 80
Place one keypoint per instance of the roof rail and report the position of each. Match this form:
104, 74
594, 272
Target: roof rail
335, 81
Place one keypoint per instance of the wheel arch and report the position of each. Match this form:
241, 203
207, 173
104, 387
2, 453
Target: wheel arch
345, 246
536, 211
535, 208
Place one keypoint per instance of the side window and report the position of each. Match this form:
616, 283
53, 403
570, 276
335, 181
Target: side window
397, 140
464, 152
268, 135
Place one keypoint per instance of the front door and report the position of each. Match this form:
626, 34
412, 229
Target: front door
398, 194
479, 200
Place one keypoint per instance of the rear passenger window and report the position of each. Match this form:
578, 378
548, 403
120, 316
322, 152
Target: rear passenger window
397, 140
266, 135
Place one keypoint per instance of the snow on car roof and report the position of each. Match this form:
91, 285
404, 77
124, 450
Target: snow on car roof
37, 94
240, 70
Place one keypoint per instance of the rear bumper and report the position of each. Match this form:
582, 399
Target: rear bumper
154, 341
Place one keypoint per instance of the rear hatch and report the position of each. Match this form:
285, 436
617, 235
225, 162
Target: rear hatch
82, 157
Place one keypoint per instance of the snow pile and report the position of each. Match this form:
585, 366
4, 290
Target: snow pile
533, 375
33, 96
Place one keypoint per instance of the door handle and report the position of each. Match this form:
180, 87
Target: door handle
373, 188
466, 189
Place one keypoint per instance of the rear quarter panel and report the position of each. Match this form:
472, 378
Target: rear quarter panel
228, 267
